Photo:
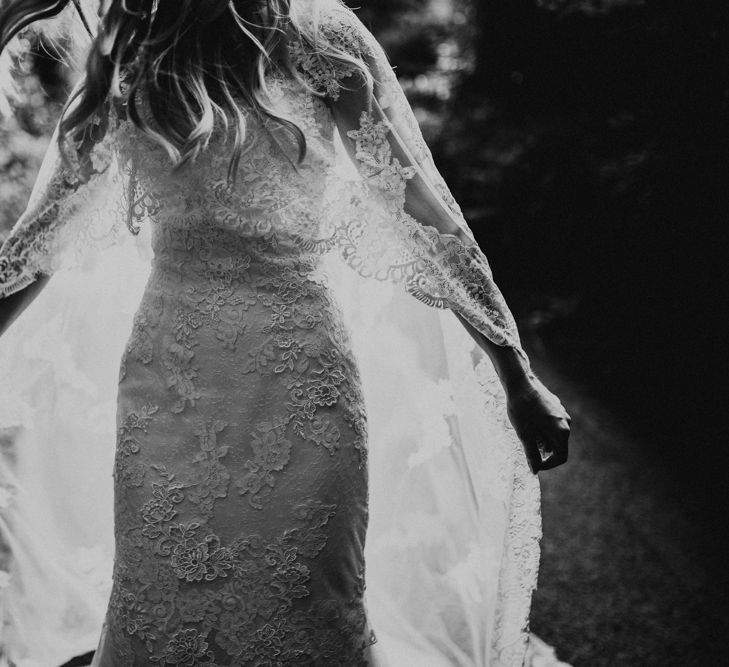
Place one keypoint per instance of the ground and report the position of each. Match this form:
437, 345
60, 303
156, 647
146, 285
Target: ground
632, 574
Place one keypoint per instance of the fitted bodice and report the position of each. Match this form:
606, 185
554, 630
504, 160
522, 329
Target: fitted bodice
273, 206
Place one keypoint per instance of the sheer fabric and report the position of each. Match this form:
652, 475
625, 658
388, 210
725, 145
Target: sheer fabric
282, 377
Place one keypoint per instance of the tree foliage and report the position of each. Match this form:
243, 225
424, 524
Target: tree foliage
590, 150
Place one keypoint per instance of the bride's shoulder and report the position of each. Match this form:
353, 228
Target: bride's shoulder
329, 26
331, 44
328, 17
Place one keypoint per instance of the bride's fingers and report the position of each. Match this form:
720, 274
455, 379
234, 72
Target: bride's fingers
558, 448
533, 455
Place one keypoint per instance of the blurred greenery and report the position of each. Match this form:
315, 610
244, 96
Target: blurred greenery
590, 150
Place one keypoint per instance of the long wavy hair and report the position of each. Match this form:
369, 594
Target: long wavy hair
196, 63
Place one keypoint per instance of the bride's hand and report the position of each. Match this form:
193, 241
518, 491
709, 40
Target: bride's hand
541, 422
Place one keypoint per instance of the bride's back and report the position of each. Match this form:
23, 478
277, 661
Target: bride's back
183, 72
271, 189
215, 115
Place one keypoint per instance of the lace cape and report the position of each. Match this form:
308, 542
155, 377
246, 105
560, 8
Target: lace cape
453, 542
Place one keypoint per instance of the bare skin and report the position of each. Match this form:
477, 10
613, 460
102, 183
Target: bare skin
537, 415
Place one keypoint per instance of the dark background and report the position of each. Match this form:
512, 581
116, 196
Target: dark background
589, 147
587, 144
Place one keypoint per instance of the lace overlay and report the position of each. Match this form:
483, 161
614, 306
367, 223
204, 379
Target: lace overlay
241, 460
434, 254
70, 187
241, 470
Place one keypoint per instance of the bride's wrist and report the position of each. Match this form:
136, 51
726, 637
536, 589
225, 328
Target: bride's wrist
514, 370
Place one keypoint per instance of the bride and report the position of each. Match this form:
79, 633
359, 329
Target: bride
260, 147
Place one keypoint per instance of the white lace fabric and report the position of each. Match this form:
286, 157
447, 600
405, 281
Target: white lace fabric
248, 304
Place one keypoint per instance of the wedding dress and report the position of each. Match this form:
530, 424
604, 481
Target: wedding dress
266, 377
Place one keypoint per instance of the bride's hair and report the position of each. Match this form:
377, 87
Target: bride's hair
195, 63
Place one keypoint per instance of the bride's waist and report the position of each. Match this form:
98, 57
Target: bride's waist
213, 266
289, 277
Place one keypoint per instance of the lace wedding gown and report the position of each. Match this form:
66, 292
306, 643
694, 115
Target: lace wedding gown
241, 467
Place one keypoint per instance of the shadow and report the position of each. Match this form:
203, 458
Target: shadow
80, 661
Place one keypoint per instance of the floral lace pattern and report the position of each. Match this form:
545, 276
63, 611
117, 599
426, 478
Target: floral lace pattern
258, 332
65, 186
437, 260
241, 464
248, 452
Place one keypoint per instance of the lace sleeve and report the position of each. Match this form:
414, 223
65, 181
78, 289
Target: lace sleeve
399, 221
65, 215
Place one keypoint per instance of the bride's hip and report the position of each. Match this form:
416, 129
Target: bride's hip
284, 324
241, 316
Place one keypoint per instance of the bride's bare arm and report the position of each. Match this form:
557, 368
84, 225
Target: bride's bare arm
380, 134
538, 416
